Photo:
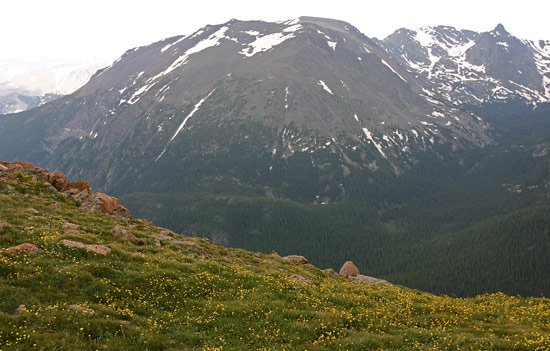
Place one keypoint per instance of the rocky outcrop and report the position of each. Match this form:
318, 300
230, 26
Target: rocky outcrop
99, 249
77, 191
349, 270
296, 259
27, 248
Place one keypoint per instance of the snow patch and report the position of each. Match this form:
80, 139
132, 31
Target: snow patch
265, 43
322, 84
378, 147
332, 44
286, 98
390, 67
356, 118
293, 28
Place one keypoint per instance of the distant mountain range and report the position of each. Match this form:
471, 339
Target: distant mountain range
241, 131
26, 87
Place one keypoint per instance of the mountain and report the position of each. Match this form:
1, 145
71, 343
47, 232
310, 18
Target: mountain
31, 88
73, 278
464, 67
307, 135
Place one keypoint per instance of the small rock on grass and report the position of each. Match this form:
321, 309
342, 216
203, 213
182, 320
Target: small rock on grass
20, 311
27, 248
99, 249
300, 278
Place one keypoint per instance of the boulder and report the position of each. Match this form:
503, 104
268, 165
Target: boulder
31, 210
99, 249
364, 279
3, 168
60, 181
80, 186
300, 279
349, 270
295, 258
27, 248
111, 205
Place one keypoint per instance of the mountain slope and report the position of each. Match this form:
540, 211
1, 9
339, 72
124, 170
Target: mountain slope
148, 288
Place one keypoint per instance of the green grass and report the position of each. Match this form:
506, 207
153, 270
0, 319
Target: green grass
146, 297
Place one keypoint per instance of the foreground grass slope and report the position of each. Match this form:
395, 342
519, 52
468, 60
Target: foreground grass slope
200, 296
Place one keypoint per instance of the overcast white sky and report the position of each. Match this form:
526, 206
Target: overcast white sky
104, 29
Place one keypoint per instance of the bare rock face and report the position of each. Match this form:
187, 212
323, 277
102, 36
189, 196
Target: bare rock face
349, 270
27, 248
364, 279
296, 258
99, 249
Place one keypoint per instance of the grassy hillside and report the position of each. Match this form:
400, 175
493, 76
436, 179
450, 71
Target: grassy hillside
200, 296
